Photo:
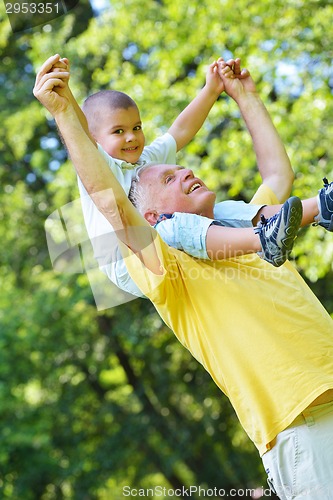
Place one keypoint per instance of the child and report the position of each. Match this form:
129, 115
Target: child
118, 108
273, 238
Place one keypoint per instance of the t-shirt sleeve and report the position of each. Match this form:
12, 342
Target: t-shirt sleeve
162, 150
264, 196
152, 284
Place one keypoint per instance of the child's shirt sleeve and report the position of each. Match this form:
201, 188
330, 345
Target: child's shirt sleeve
161, 150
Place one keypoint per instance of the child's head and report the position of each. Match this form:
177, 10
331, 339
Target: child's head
114, 122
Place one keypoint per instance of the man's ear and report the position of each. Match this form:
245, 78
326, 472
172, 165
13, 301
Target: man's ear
151, 216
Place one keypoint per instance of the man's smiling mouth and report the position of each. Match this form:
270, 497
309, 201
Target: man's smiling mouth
194, 187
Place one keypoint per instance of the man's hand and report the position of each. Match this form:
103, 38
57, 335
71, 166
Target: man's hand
214, 80
51, 85
237, 82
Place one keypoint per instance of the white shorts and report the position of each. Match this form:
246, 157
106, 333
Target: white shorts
300, 465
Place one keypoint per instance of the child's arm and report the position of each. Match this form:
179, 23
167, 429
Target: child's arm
193, 116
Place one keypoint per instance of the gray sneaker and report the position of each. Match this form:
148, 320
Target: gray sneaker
325, 205
278, 233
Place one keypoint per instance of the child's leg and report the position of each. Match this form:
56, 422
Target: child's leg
318, 210
310, 211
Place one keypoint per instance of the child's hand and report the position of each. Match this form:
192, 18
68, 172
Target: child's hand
51, 85
62, 66
213, 80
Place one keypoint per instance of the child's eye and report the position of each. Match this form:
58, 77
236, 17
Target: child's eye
138, 127
118, 131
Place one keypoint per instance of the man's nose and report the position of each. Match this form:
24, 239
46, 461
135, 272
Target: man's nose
186, 174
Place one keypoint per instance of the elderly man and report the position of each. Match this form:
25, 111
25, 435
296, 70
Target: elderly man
258, 330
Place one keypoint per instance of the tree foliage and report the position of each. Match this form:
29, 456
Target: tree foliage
91, 401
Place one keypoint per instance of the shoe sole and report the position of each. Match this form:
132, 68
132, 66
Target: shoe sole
292, 222
325, 199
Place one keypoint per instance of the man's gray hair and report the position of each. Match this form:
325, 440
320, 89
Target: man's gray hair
138, 194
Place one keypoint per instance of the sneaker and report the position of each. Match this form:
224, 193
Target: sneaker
325, 204
278, 233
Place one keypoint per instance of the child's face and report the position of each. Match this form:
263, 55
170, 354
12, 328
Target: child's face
120, 134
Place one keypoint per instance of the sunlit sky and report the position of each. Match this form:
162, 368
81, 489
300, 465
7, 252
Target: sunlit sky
99, 5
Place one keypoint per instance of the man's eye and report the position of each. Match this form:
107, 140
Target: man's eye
168, 179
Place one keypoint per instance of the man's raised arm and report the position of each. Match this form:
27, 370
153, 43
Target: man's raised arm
106, 192
55, 63
273, 161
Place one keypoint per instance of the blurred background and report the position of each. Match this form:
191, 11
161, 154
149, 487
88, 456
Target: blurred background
93, 400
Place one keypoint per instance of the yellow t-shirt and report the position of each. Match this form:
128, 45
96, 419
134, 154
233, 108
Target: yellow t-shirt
258, 330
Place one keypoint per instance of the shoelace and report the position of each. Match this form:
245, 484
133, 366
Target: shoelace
270, 221
327, 185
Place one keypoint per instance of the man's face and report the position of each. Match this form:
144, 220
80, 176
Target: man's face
171, 188
120, 134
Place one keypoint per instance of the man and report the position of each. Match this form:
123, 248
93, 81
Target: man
258, 330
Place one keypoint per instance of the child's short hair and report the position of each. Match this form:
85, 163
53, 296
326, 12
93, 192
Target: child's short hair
108, 98
94, 105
